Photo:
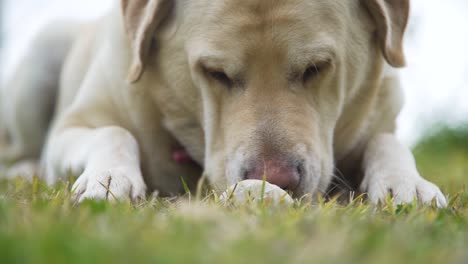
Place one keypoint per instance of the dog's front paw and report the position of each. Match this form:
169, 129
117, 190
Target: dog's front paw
404, 188
112, 184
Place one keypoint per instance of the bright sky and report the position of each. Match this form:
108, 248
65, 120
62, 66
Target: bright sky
435, 81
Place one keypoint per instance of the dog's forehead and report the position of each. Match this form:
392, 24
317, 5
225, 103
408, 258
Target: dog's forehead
267, 12
265, 7
257, 21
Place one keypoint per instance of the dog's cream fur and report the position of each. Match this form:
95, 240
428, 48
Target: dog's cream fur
225, 80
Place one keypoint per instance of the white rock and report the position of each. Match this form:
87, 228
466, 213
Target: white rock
249, 191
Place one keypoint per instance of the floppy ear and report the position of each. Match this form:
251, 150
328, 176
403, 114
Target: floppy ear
141, 19
391, 18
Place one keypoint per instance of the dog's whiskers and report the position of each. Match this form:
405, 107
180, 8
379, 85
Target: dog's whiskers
342, 180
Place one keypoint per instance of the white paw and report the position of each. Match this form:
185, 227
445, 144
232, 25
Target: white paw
402, 189
117, 183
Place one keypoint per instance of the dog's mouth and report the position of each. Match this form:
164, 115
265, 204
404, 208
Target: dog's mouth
181, 156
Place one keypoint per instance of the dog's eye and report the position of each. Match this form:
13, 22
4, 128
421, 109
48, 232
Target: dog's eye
312, 71
221, 77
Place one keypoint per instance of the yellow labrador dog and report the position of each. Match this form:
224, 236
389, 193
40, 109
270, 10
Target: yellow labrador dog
297, 90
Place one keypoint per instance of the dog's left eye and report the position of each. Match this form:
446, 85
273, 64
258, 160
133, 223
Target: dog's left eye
221, 77
312, 71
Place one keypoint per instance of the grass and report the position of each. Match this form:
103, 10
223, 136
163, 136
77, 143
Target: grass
39, 224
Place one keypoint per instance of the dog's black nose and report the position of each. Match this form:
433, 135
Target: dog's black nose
277, 171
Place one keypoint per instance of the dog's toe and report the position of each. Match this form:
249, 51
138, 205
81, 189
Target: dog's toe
428, 192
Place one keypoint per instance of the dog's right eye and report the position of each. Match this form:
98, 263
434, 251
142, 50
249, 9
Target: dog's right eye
220, 77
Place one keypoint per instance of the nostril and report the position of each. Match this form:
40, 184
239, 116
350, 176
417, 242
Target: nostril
300, 169
245, 174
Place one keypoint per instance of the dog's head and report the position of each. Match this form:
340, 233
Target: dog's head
273, 77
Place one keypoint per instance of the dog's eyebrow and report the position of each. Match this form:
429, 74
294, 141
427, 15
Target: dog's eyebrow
314, 53
216, 61
210, 60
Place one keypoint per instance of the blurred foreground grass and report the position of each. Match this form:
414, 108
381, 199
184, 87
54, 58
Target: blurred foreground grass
40, 225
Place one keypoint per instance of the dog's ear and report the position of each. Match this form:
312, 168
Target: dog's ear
391, 18
141, 20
